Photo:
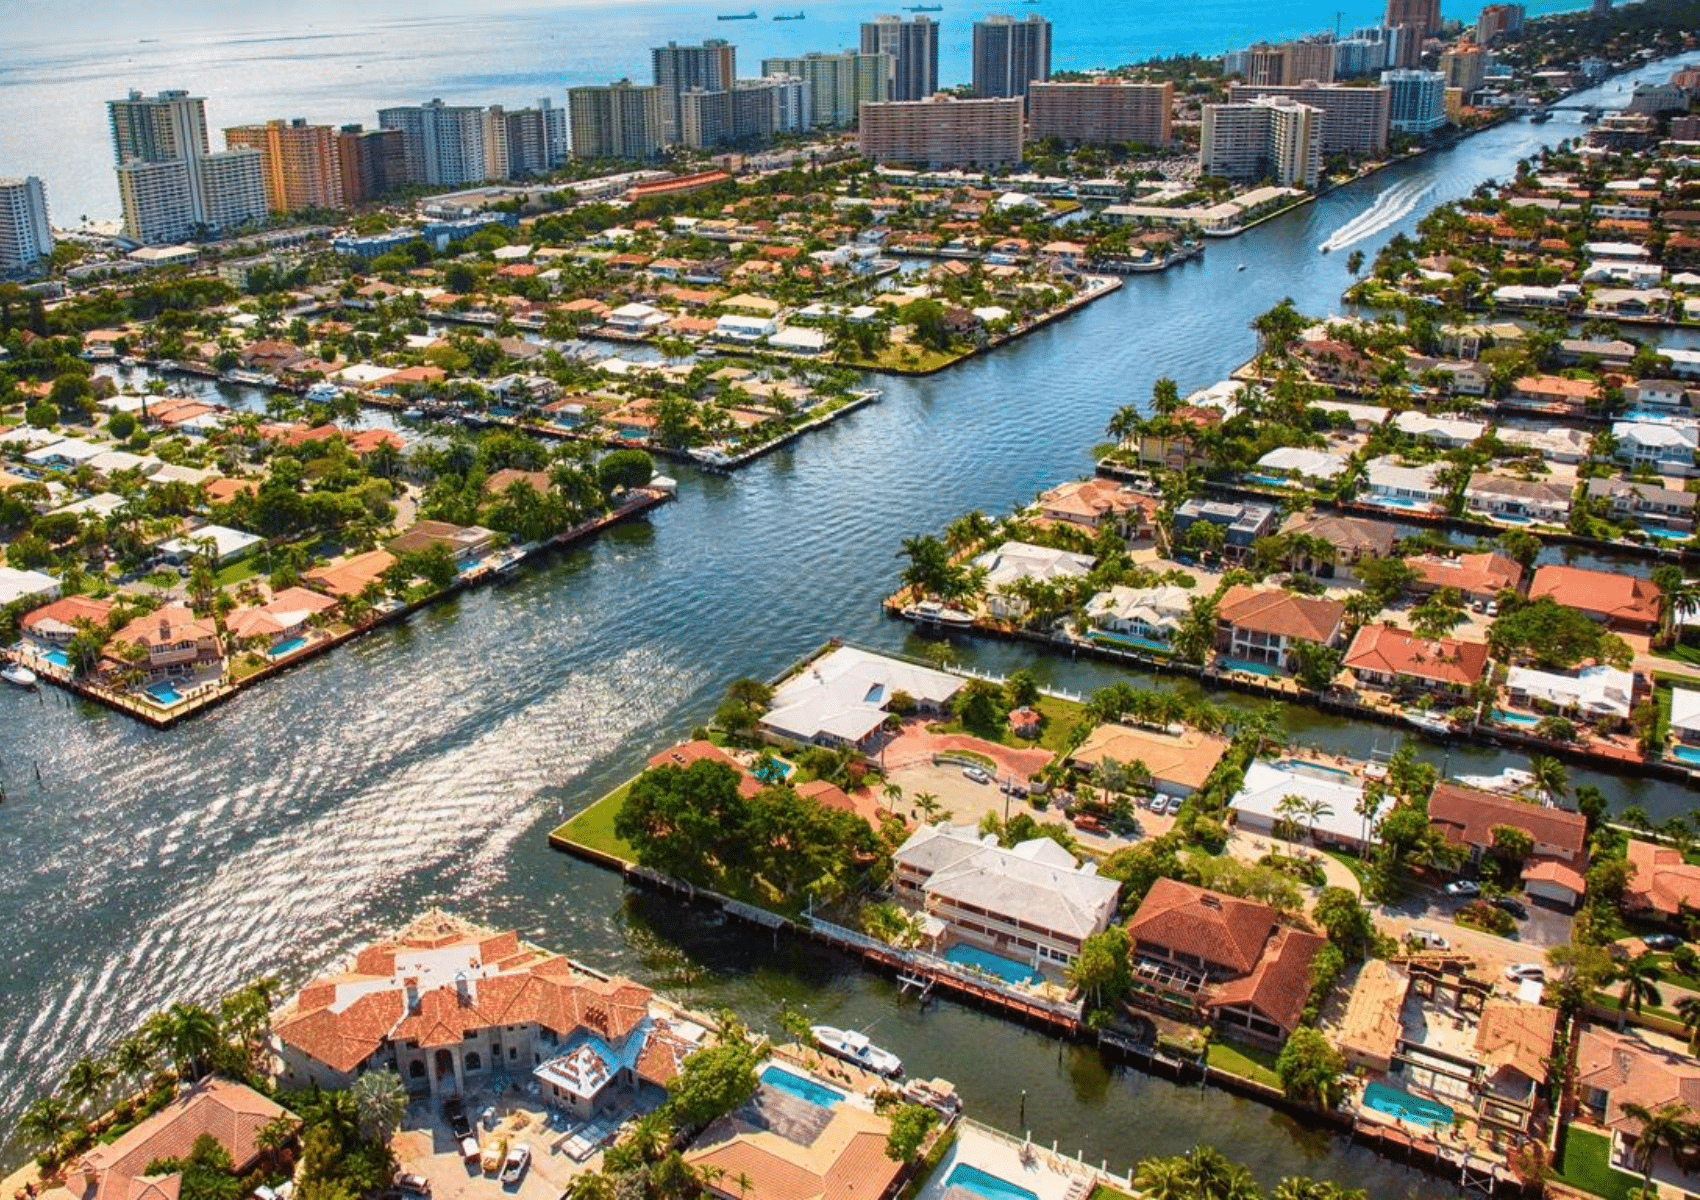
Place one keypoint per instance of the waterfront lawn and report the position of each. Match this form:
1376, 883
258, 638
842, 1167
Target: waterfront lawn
894, 358
1105, 1192
1055, 733
242, 568
1587, 1165
1247, 1061
594, 827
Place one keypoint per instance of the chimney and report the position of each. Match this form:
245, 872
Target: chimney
411, 986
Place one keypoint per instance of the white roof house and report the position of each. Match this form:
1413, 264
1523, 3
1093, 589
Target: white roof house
637, 316
1305, 463
1598, 691
1685, 712
66, 451
1669, 443
108, 461
1388, 481
1338, 794
799, 339
738, 327
841, 697
1619, 250
1154, 611
1448, 431
1035, 883
1555, 444
26, 585
1013, 562
227, 543
103, 504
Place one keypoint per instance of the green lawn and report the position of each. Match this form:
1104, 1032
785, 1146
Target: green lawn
1680, 653
594, 827
242, 568
1055, 732
1352, 863
1587, 1166
1248, 1062
893, 358
163, 579
1103, 1192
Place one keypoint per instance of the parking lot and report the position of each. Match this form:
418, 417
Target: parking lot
426, 1146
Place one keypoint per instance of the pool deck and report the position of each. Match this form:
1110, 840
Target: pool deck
1049, 1175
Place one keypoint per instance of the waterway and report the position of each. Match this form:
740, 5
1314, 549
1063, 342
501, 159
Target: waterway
423, 765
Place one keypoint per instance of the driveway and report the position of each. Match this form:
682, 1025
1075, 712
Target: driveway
1432, 909
426, 1146
914, 743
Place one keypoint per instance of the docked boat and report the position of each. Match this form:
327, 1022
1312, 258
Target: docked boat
855, 1048
1428, 722
413, 414
18, 675
1509, 781
934, 612
1541, 117
710, 456
323, 393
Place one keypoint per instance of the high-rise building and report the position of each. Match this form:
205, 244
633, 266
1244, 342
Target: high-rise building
1497, 22
838, 84
914, 50
619, 120
1010, 54
753, 111
298, 162
1356, 57
1310, 58
1354, 119
1464, 66
943, 132
710, 67
532, 141
1265, 65
1420, 15
1418, 101
25, 236
443, 145
1270, 137
371, 162
171, 186
1101, 113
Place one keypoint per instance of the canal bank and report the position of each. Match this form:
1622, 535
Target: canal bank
427, 762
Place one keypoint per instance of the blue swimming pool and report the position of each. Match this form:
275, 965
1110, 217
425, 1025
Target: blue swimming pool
1687, 754
1514, 718
289, 647
1253, 668
1006, 969
1397, 1102
1395, 502
1269, 480
774, 770
983, 1183
796, 1085
1302, 764
164, 693
57, 657
1132, 641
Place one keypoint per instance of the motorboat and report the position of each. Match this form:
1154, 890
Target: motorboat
1428, 722
323, 393
1510, 781
854, 1047
935, 612
18, 675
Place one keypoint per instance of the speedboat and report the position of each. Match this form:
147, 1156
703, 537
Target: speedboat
1509, 781
323, 393
18, 675
1428, 722
855, 1048
935, 612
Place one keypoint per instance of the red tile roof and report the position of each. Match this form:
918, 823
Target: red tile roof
1662, 881
1467, 816
1388, 651
1273, 611
1280, 983
686, 753
1606, 594
1184, 919
65, 612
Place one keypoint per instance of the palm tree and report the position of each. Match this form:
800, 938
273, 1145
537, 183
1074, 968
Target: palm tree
1315, 810
1164, 1179
380, 1098
1640, 976
1123, 423
1669, 1128
1552, 778
1217, 1177
1287, 812
275, 1136
45, 1121
191, 1034
132, 1057
86, 1080
592, 1185
1688, 1008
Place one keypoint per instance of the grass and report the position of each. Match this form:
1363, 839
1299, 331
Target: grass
1105, 1192
162, 579
236, 572
1680, 653
1248, 1062
1587, 1165
1055, 731
1352, 863
594, 827
893, 358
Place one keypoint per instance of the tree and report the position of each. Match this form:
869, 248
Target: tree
381, 1099
46, 1120
1511, 846
1521, 546
1553, 636
711, 1083
909, 1128
1438, 615
1551, 777
189, 1034
1640, 978
1021, 689
1310, 1069
1101, 969
1315, 665
1688, 1008
624, 469
86, 1080
1347, 921
1669, 1128
208, 1172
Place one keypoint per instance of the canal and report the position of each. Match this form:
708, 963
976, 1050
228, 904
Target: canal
423, 765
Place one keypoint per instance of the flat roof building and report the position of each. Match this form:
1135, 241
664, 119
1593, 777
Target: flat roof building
943, 132
25, 235
1009, 54
1101, 113
619, 120
1271, 137
913, 48
1354, 119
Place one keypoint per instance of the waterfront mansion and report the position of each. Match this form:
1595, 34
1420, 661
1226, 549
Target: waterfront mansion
456, 1009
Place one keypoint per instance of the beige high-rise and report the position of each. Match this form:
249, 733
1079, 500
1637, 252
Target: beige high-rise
943, 132
298, 162
1101, 113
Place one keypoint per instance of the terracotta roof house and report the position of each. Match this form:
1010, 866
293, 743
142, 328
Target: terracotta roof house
1625, 602
1254, 973
172, 641
1261, 625
231, 1113
1513, 1042
465, 542
778, 1148
351, 575
56, 623
1614, 1069
1478, 577
1662, 883
453, 1007
1093, 503
1178, 763
686, 753
1384, 657
1554, 872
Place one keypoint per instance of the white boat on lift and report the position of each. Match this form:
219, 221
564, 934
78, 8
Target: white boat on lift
854, 1047
18, 675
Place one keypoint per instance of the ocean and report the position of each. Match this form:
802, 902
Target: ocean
340, 63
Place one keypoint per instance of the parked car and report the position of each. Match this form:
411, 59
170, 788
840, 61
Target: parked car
416, 1185
1429, 939
519, 1158
1087, 821
1173, 806
1524, 972
495, 1153
454, 1112
1661, 941
976, 774
1511, 905
1463, 887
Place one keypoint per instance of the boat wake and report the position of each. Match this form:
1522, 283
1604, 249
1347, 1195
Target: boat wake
1396, 203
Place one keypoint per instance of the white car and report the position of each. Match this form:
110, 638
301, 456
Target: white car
976, 774
1430, 940
1526, 972
519, 1158
1463, 887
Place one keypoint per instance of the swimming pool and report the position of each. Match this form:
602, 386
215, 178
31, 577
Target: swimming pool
1397, 1102
1131, 640
57, 657
289, 647
1006, 969
774, 770
164, 693
1396, 502
1253, 668
983, 1183
796, 1085
1514, 718
1304, 765
1269, 480
1687, 754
